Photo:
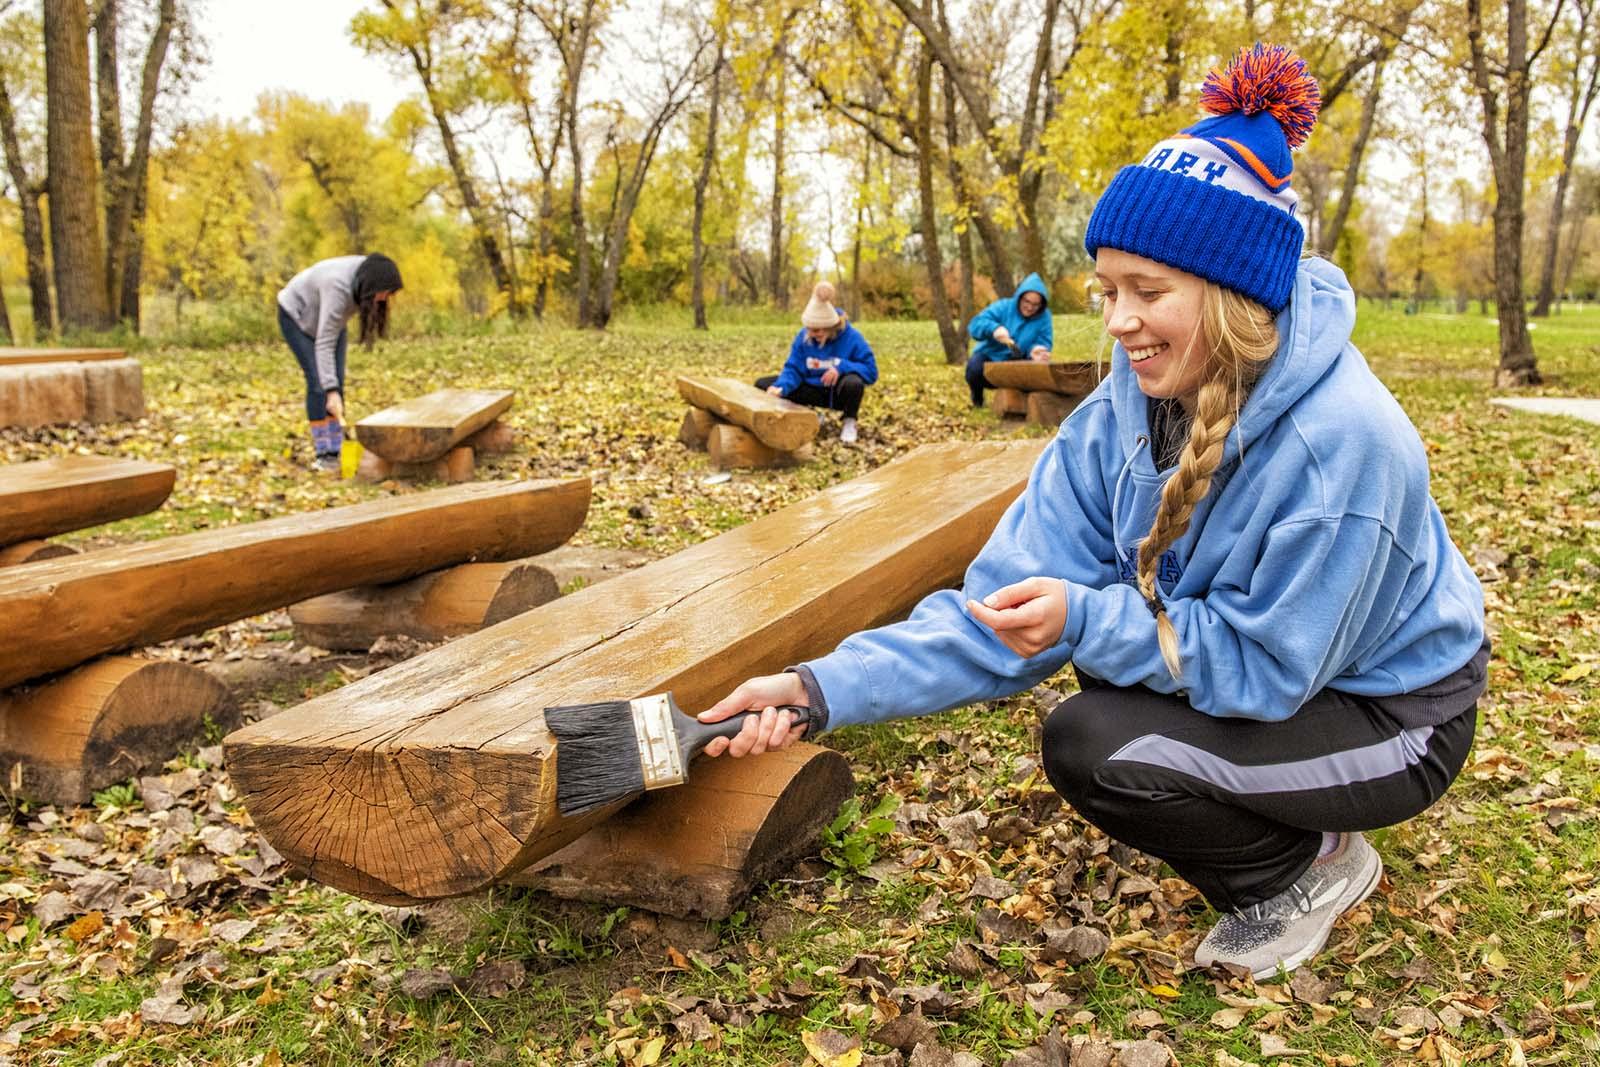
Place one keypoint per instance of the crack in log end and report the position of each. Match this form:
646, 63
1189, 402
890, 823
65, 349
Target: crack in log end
396, 826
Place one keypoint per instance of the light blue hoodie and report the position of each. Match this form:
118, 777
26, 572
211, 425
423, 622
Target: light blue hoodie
1320, 560
1025, 332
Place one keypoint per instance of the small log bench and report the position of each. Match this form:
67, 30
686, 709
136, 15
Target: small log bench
79, 607
1042, 392
435, 607
427, 427
436, 776
50, 393
742, 426
52, 496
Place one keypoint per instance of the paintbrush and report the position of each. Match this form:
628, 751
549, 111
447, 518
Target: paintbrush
615, 748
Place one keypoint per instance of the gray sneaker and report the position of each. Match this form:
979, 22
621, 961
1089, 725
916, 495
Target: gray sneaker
1290, 928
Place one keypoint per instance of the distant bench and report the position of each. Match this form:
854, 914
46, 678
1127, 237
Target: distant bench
50, 386
742, 426
1043, 393
435, 436
52, 496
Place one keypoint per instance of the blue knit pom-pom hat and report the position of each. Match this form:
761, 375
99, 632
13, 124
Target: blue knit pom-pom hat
1215, 199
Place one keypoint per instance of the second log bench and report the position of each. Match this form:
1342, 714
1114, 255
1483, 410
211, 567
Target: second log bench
53, 496
435, 436
742, 426
1043, 393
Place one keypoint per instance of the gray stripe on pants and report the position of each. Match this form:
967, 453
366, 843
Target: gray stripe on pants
1320, 772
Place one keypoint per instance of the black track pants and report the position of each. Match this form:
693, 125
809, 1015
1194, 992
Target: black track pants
843, 396
1235, 806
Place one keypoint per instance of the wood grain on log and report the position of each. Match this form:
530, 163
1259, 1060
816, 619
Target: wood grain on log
77, 608
1048, 409
437, 776
1008, 403
44, 394
51, 496
435, 607
426, 428
33, 551
733, 447
781, 424
697, 426
104, 722
16, 356
1073, 378
113, 391
699, 850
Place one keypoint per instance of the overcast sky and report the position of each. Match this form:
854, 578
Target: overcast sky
303, 45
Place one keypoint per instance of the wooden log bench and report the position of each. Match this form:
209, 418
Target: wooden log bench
53, 496
427, 437
1042, 393
103, 722
79, 607
742, 426
435, 607
436, 776
50, 393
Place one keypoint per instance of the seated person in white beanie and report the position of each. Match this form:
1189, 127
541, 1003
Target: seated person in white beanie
830, 364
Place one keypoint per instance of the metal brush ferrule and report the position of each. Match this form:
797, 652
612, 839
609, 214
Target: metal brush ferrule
658, 741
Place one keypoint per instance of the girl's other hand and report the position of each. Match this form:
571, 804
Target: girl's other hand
1028, 616
773, 729
830, 376
336, 405
774, 390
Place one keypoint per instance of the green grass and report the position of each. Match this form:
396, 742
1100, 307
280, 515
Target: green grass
1491, 900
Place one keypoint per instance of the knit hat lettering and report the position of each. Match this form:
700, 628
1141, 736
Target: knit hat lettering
1207, 161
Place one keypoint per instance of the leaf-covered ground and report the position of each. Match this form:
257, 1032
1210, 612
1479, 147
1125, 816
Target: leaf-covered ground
958, 914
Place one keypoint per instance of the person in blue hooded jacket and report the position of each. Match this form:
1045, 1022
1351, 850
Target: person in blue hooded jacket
1233, 542
1014, 327
830, 364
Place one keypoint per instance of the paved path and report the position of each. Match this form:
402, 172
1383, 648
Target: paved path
1583, 408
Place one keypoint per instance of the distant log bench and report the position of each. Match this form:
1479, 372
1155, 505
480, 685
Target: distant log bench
742, 426
435, 436
1043, 393
76, 608
52, 496
44, 387
436, 776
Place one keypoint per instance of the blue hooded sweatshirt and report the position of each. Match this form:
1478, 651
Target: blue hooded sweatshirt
1318, 559
1039, 330
847, 351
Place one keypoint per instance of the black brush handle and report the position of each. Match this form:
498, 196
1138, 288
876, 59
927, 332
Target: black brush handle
694, 735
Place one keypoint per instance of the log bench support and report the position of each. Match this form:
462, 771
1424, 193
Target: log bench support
435, 607
104, 722
699, 850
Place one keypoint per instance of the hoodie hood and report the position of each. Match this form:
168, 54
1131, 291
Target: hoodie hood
1313, 332
1032, 284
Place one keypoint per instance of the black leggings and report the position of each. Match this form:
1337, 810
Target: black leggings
1236, 806
844, 395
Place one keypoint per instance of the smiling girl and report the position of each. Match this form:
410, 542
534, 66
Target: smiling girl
1232, 541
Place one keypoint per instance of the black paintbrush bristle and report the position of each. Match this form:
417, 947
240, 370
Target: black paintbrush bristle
597, 754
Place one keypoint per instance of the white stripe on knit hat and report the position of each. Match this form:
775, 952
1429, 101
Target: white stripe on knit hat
1197, 158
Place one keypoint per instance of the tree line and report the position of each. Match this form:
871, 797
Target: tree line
562, 156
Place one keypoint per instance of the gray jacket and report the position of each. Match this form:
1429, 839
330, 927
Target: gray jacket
319, 301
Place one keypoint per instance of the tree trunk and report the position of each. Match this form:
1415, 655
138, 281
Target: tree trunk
75, 238
125, 213
32, 219
963, 232
574, 53
855, 248
697, 285
776, 290
108, 113
1579, 101
5, 321
487, 243
1352, 170
954, 350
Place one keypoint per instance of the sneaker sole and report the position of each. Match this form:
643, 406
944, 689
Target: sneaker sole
1290, 963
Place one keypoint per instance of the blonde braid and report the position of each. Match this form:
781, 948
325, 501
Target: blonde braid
1241, 337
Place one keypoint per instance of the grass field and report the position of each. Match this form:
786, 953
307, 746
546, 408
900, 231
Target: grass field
1480, 946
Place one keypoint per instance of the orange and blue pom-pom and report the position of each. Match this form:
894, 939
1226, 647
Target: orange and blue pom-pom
1270, 78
